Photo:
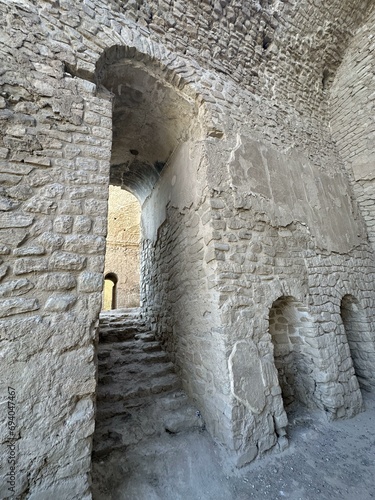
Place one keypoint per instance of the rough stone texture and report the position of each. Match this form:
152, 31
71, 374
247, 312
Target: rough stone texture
244, 129
122, 250
352, 118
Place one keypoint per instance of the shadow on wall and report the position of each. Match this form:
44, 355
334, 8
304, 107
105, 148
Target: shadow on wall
110, 291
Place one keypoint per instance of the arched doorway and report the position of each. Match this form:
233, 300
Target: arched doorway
289, 325
360, 343
110, 291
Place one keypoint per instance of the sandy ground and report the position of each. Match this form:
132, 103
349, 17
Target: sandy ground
325, 460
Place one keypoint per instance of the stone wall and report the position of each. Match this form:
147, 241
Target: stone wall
353, 121
55, 144
177, 289
259, 264
253, 206
122, 249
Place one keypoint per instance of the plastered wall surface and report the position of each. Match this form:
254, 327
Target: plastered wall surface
248, 195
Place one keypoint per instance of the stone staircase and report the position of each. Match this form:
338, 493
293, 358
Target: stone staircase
139, 396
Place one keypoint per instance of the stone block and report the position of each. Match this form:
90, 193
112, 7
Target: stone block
40, 205
281, 421
28, 265
67, 261
39, 178
87, 244
245, 370
60, 303
282, 443
9, 179
54, 191
90, 282
80, 193
7, 204
29, 250
82, 224
72, 207
15, 287
63, 224
4, 250
3, 271
266, 442
96, 207
15, 220
20, 192
51, 241
247, 457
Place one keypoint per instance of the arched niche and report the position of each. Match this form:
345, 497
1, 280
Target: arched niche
361, 345
290, 325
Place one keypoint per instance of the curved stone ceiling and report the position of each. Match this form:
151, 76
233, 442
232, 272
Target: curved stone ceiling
150, 119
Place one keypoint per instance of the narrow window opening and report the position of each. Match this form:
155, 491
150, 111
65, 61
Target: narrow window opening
110, 292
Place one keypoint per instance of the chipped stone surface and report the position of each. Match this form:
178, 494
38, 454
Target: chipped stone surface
246, 378
16, 287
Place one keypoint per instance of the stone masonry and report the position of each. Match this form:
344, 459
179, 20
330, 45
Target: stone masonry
245, 130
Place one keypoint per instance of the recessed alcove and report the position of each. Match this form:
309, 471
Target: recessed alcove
289, 325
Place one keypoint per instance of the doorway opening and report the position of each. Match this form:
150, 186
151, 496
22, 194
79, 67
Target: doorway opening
358, 336
154, 127
123, 249
289, 325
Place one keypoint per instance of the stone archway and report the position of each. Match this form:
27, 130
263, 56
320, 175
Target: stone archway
290, 325
151, 118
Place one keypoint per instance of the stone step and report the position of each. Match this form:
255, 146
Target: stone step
117, 392
117, 334
113, 358
123, 324
135, 373
145, 337
134, 425
169, 401
152, 346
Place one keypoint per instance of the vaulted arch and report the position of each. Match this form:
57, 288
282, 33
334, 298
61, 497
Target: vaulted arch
154, 112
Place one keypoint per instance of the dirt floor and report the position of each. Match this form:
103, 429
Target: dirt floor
325, 460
